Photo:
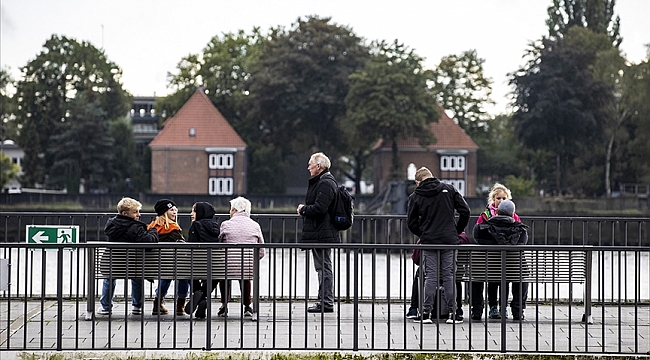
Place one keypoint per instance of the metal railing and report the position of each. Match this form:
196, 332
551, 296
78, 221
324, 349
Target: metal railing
45, 304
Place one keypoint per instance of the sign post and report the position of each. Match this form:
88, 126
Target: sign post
52, 234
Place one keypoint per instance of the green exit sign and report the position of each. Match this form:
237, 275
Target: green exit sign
52, 234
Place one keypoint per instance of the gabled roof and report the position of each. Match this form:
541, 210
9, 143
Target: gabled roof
449, 135
211, 129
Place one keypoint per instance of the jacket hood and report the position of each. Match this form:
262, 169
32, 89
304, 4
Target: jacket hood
429, 187
204, 210
117, 226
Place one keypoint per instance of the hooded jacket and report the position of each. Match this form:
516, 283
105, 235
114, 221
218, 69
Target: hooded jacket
204, 228
317, 224
171, 233
430, 213
501, 230
123, 228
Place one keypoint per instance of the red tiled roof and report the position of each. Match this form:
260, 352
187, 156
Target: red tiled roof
211, 128
449, 135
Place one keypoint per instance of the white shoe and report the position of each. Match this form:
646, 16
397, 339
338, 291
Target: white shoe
136, 310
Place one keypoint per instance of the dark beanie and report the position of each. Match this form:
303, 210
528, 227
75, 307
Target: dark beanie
163, 205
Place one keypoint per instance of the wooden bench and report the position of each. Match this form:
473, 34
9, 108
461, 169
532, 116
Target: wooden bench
530, 266
232, 263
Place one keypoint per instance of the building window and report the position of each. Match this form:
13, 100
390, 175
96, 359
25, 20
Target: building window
458, 184
220, 161
220, 186
452, 163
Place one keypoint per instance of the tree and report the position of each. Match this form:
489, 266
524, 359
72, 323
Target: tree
389, 99
8, 170
82, 148
461, 87
128, 174
50, 83
298, 86
595, 15
8, 128
559, 106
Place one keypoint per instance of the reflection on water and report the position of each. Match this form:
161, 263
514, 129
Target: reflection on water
284, 273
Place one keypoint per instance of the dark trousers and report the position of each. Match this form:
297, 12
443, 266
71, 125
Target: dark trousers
519, 296
415, 293
244, 285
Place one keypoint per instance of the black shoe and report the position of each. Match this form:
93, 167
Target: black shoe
194, 302
454, 319
517, 316
201, 309
223, 312
424, 319
317, 308
476, 317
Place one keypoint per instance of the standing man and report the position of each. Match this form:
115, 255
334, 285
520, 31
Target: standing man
317, 227
431, 217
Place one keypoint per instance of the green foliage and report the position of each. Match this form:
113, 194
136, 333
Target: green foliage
81, 148
298, 86
129, 174
521, 187
8, 170
8, 128
45, 96
461, 87
595, 15
560, 107
389, 99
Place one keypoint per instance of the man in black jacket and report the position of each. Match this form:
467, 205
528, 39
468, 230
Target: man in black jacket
126, 227
431, 217
317, 227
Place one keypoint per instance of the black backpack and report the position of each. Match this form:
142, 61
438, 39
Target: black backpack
342, 209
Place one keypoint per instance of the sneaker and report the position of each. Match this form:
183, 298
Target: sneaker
476, 317
494, 313
454, 319
223, 312
105, 312
317, 308
136, 310
248, 311
506, 313
518, 316
412, 314
194, 302
424, 319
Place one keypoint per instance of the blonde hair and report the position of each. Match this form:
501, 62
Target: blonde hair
496, 188
240, 204
422, 174
163, 220
321, 159
128, 204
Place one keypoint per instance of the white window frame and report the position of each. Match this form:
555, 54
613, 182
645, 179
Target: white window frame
459, 184
221, 161
221, 186
452, 163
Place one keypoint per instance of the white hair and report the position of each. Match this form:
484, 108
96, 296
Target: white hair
240, 204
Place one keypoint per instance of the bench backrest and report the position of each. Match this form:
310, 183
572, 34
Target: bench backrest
174, 263
546, 266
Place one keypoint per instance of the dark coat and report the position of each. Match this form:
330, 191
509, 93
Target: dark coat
123, 228
204, 228
430, 213
501, 230
317, 224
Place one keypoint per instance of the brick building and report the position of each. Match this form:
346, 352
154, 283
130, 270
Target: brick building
198, 152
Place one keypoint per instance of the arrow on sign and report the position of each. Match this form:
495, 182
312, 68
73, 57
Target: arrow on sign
39, 237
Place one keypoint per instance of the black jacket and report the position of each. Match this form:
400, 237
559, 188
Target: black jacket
127, 229
501, 230
430, 213
317, 222
204, 228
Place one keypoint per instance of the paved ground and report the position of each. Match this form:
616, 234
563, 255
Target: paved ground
286, 326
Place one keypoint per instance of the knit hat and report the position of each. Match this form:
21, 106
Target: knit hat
506, 207
162, 206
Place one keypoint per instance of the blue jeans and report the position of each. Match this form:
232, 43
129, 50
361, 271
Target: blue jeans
182, 288
108, 291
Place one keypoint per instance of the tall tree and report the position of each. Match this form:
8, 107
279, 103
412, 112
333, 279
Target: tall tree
461, 87
82, 148
595, 15
559, 106
389, 99
50, 82
8, 128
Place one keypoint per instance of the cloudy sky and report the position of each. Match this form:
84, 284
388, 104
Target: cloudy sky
148, 38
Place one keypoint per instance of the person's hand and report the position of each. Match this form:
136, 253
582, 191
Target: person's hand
299, 208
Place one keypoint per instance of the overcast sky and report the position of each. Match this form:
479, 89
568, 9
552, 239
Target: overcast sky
148, 38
